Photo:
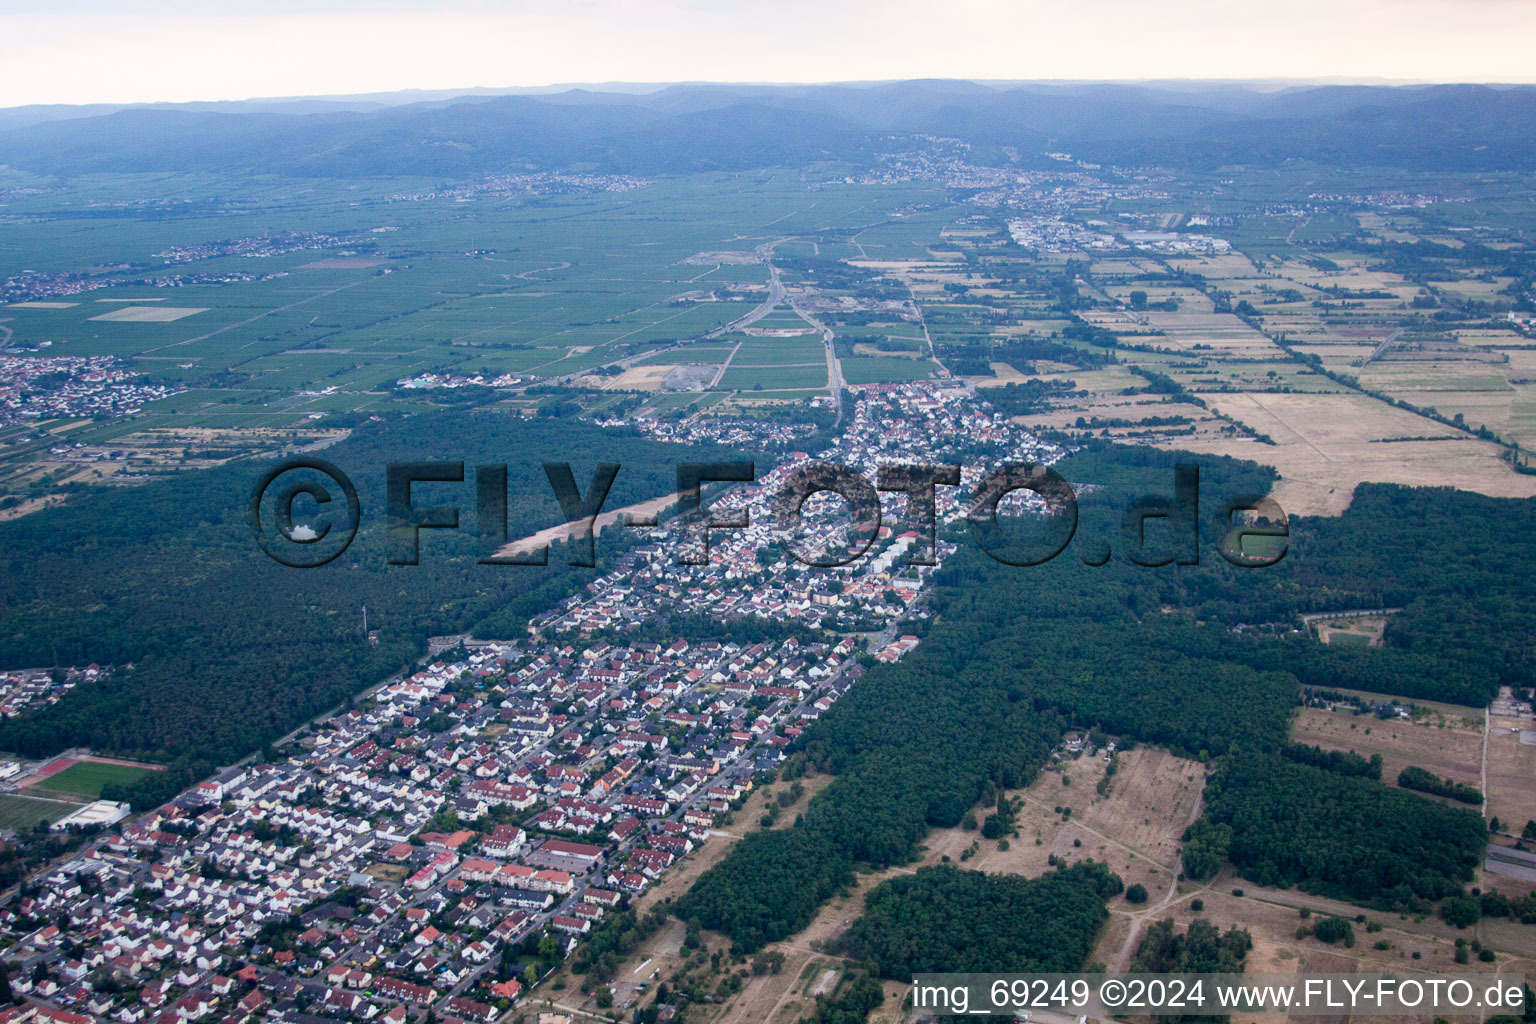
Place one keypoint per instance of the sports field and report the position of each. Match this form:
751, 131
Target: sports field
85, 779
22, 813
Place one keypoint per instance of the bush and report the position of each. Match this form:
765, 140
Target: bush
1335, 929
1493, 904
1136, 893
1461, 911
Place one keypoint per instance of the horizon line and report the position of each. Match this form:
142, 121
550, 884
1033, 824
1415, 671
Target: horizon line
634, 87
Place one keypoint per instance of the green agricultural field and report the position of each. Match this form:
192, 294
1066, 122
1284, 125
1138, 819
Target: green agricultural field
1326, 227
879, 369
688, 354
749, 378
380, 288
780, 351
85, 779
671, 402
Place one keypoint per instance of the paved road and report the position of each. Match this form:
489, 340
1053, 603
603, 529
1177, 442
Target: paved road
834, 369
1381, 349
775, 296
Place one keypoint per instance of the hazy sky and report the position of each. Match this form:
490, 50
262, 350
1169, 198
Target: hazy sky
83, 51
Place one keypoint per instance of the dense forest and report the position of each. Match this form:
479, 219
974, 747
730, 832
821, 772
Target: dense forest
1454, 562
945, 920
230, 650
1342, 836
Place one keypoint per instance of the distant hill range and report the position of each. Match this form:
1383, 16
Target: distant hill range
685, 128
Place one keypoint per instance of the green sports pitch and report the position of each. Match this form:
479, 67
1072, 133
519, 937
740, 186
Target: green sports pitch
84, 780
